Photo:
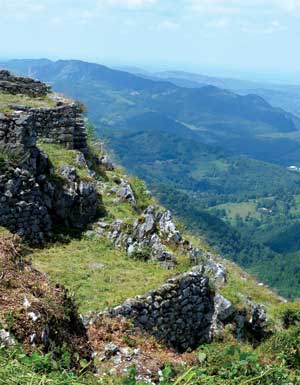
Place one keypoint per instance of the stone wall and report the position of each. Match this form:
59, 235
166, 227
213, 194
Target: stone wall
63, 125
17, 133
186, 312
22, 205
179, 313
31, 202
19, 85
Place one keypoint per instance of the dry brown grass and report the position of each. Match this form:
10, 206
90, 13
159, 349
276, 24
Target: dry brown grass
152, 357
25, 291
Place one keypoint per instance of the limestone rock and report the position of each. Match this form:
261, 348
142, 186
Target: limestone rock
168, 228
107, 163
125, 192
6, 339
223, 308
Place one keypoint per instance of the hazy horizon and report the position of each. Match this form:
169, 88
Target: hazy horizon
263, 77
249, 39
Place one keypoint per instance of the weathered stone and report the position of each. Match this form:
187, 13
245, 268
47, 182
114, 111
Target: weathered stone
29, 203
6, 339
223, 308
173, 322
19, 85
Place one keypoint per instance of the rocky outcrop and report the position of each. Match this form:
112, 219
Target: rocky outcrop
20, 85
125, 192
76, 203
147, 238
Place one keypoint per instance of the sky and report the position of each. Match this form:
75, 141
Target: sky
231, 36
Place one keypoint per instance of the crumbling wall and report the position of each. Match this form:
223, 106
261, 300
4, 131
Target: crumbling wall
62, 125
187, 312
31, 202
17, 133
179, 313
20, 85
22, 206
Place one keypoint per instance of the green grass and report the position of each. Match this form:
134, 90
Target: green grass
209, 167
242, 209
18, 369
241, 286
7, 99
4, 232
60, 156
295, 210
99, 274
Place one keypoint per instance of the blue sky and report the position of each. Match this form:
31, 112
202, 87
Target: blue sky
239, 36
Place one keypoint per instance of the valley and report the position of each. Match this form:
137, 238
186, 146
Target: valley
205, 147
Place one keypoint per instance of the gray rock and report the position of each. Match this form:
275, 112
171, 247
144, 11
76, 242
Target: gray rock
6, 339
110, 350
168, 228
258, 320
107, 163
69, 173
223, 308
80, 160
125, 192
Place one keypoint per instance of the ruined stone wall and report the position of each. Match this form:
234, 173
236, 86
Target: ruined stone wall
20, 85
30, 203
186, 312
62, 125
179, 313
17, 133
22, 205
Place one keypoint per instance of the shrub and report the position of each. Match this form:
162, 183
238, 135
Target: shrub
141, 254
285, 346
290, 314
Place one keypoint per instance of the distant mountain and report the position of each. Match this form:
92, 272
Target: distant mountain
279, 95
198, 79
80, 71
240, 124
195, 106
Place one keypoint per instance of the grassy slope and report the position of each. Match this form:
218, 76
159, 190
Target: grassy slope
7, 99
101, 275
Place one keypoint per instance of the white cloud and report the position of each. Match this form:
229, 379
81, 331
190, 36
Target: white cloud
126, 3
168, 25
242, 6
289, 5
268, 29
221, 23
